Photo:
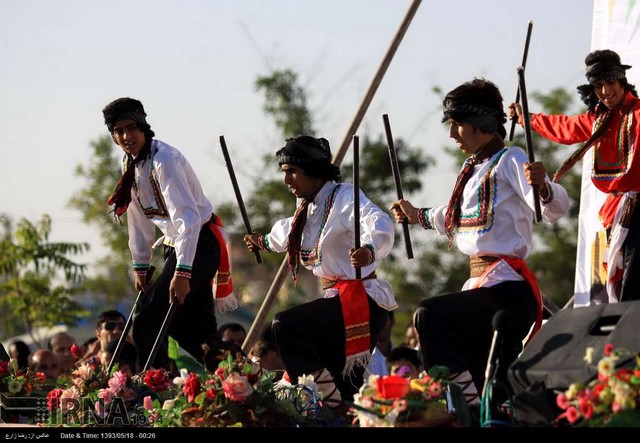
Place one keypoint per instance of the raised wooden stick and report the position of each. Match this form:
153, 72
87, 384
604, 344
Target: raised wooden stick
524, 64
396, 175
527, 132
356, 197
236, 189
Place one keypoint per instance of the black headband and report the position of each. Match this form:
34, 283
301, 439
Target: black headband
302, 150
485, 118
606, 70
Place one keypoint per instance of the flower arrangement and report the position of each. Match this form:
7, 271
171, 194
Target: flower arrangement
392, 400
611, 399
16, 382
236, 393
20, 389
90, 396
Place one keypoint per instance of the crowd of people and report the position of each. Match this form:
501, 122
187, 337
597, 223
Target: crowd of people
344, 335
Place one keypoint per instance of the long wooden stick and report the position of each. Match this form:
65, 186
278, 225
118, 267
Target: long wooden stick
162, 333
128, 324
382, 69
356, 197
393, 156
527, 132
524, 64
236, 189
269, 299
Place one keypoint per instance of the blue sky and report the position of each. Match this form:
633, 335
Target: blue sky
193, 63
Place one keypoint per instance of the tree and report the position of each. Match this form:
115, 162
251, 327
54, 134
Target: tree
28, 267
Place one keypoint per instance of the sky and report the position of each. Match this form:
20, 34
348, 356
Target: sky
194, 63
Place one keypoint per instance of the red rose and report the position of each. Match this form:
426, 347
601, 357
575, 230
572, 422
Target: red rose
76, 351
157, 380
53, 399
191, 387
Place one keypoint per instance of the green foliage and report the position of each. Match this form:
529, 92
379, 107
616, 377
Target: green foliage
286, 101
28, 268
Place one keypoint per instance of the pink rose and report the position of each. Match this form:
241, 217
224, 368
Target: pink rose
236, 387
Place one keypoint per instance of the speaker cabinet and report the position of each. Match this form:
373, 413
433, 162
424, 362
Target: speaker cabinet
554, 358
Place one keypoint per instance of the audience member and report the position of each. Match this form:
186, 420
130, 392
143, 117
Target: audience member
233, 332
127, 359
19, 350
45, 361
90, 346
405, 362
60, 344
265, 352
109, 326
377, 364
411, 337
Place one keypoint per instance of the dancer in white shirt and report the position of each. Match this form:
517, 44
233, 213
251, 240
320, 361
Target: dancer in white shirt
331, 337
490, 217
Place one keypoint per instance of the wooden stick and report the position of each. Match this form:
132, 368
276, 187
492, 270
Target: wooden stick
524, 64
269, 299
527, 132
356, 197
396, 175
382, 69
236, 189
127, 325
161, 334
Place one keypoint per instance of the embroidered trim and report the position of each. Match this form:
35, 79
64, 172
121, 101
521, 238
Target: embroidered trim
482, 219
161, 210
263, 243
549, 198
140, 268
183, 271
311, 258
423, 218
607, 171
371, 251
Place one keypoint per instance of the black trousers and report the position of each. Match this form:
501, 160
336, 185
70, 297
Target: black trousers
194, 321
630, 289
311, 337
456, 331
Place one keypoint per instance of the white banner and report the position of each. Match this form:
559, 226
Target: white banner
616, 26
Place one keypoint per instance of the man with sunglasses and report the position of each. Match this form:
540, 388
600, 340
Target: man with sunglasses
109, 326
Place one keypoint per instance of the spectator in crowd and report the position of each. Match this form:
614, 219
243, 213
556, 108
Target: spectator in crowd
404, 361
265, 352
109, 326
411, 337
127, 359
233, 333
60, 344
45, 361
377, 364
20, 351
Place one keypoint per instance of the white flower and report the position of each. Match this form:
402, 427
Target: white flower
184, 374
168, 404
588, 356
309, 381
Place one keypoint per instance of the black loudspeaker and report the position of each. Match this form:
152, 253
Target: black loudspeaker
3, 354
554, 359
